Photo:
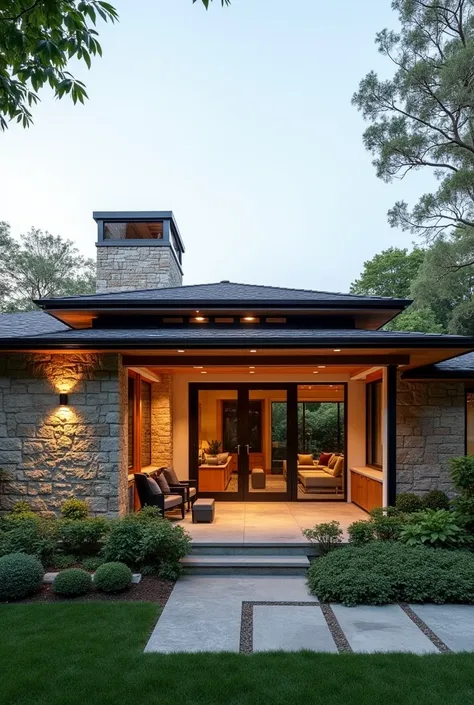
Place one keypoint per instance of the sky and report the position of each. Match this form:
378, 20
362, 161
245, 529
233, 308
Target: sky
239, 120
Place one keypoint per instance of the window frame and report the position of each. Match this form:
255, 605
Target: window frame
371, 423
137, 464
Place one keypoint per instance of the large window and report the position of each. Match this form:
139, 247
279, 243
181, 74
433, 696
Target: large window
374, 423
229, 426
320, 427
470, 423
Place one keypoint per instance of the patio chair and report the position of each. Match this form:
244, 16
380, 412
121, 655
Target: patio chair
189, 485
150, 495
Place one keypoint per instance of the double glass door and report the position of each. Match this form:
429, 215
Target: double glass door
239, 441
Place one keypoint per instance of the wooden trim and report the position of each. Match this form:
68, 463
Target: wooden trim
391, 434
374, 376
263, 360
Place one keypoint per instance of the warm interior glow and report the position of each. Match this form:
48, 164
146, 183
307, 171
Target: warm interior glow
180, 351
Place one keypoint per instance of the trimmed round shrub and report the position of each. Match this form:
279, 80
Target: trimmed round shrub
408, 502
383, 572
361, 532
435, 499
113, 577
74, 509
20, 575
91, 563
72, 583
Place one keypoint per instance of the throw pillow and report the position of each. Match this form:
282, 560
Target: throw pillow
163, 484
171, 476
305, 459
339, 467
222, 458
324, 458
153, 486
332, 461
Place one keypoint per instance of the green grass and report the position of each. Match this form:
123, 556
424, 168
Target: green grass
91, 654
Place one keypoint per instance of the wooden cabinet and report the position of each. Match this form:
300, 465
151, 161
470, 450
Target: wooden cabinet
366, 492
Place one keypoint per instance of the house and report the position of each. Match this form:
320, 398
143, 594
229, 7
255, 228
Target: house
304, 395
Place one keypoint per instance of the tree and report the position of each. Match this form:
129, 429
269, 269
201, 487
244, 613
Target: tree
40, 265
389, 273
423, 117
392, 273
38, 39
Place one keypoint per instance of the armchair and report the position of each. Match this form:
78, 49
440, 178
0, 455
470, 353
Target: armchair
150, 495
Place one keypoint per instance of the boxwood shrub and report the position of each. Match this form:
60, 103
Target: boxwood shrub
113, 577
20, 575
435, 499
72, 583
74, 509
383, 572
408, 502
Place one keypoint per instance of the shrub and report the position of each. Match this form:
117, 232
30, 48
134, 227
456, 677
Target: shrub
382, 572
83, 536
72, 583
22, 508
113, 577
361, 532
408, 502
327, 535
436, 499
462, 475
145, 539
74, 509
62, 560
25, 533
387, 523
91, 563
20, 576
434, 527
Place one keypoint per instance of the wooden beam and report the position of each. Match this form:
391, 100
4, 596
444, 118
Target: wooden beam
186, 360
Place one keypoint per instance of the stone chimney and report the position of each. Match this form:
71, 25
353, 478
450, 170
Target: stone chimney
138, 250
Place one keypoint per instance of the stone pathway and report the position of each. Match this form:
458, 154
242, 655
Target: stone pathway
270, 613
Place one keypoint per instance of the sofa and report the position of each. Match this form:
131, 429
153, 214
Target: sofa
323, 475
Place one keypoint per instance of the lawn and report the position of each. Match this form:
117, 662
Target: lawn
91, 654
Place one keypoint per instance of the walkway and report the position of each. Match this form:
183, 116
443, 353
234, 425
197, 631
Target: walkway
260, 613
272, 522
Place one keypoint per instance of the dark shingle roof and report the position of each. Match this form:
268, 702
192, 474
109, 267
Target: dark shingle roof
28, 323
258, 337
457, 368
227, 292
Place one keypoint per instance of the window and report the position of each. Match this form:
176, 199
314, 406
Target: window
320, 427
139, 422
131, 423
470, 423
229, 426
133, 231
374, 423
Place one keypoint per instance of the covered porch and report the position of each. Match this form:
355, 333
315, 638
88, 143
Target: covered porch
251, 523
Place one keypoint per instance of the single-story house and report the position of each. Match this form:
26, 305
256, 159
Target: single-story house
258, 393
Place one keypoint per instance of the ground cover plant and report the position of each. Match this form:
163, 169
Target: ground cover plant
69, 654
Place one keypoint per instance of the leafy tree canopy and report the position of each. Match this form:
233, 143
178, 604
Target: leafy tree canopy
38, 39
389, 273
423, 117
40, 265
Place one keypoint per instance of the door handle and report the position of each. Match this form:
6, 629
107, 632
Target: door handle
248, 449
238, 449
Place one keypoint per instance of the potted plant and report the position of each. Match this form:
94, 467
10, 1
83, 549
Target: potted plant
213, 448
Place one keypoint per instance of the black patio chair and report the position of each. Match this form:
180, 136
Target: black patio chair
174, 483
149, 497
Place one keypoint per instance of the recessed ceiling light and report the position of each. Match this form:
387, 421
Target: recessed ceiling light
203, 372
180, 350
337, 349
251, 367
321, 366
315, 372
198, 367
200, 318
249, 318
253, 351
252, 372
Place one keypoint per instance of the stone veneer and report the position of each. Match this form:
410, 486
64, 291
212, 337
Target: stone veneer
162, 422
125, 268
430, 431
52, 453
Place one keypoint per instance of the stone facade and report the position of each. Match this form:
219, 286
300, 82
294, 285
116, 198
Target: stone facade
162, 422
125, 268
430, 431
52, 453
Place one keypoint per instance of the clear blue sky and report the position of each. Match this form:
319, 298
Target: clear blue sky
239, 120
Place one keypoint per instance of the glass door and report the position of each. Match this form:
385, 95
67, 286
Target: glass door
239, 441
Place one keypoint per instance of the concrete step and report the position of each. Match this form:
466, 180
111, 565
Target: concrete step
254, 549
210, 564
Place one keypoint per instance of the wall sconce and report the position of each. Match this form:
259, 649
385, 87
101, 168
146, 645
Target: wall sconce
63, 399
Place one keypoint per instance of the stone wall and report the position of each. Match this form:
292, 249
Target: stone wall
430, 431
52, 453
125, 268
162, 422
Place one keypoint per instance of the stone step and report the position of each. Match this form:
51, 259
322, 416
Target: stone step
209, 564
230, 548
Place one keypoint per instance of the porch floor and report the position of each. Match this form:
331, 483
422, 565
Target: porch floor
269, 522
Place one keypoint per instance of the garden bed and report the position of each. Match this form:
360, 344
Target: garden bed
150, 589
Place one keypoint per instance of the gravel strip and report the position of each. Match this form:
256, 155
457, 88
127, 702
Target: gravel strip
335, 629
439, 643
150, 589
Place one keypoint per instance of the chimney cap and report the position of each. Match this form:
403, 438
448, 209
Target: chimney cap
224, 281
